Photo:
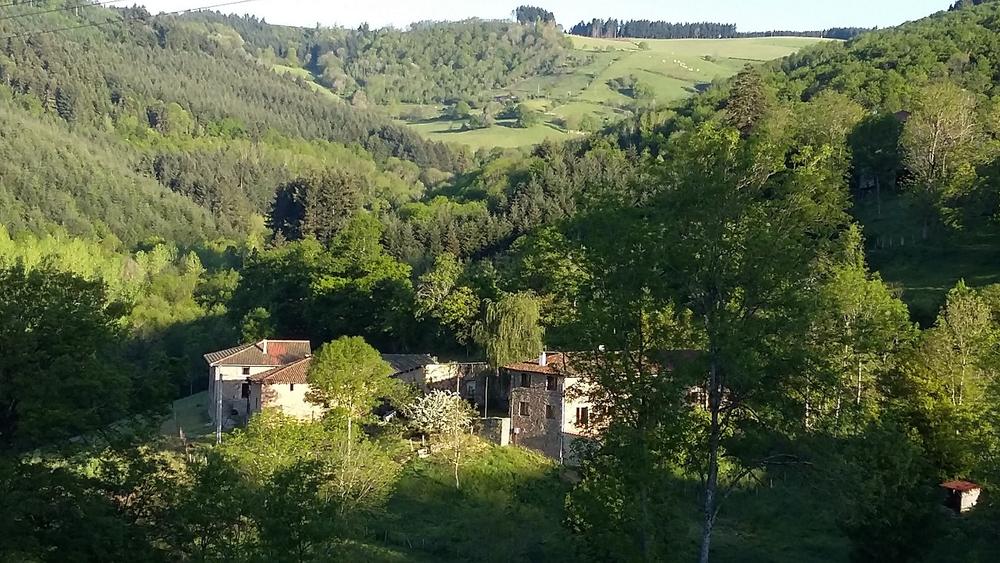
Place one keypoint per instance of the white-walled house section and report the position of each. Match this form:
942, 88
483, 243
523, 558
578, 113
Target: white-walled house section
289, 398
235, 390
245, 379
578, 408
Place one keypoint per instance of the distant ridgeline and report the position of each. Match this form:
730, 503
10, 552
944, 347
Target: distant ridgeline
960, 4
646, 29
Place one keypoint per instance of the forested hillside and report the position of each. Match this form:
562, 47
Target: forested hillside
429, 62
929, 216
763, 283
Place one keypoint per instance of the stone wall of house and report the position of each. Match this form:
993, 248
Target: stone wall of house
532, 424
415, 377
465, 379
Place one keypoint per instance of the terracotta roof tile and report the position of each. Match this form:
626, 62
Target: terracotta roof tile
961, 486
278, 353
555, 364
562, 363
294, 372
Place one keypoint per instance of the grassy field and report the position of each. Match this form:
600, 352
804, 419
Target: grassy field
304, 74
924, 270
676, 68
189, 414
671, 68
512, 507
504, 134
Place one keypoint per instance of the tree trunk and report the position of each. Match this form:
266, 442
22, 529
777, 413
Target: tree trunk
646, 530
857, 400
349, 438
458, 458
712, 483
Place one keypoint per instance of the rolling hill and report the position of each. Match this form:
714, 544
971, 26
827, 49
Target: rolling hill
672, 69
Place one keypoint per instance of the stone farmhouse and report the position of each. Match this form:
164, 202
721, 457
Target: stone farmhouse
548, 404
246, 379
543, 400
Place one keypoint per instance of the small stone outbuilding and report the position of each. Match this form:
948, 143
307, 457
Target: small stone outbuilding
962, 495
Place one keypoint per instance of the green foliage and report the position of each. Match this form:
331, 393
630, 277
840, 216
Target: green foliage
461, 110
352, 474
59, 376
318, 207
887, 496
533, 14
435, 61
510, 330
526, 117
939, 145
517, 483
747, 101
296, 521
440, 296
353, 287
220, 90
256, 326
350, 376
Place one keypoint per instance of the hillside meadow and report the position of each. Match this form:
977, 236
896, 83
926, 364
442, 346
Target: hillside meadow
672, 69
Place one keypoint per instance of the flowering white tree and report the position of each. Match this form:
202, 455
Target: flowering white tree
446, 416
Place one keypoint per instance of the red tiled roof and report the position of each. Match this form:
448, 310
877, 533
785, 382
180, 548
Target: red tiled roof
555, 364
263, 353
960, 486
560, 363
294, 372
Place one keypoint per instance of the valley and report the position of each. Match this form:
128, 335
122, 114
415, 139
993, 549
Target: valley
475, 289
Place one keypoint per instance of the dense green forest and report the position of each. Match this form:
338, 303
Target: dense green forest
429, 62
818, 235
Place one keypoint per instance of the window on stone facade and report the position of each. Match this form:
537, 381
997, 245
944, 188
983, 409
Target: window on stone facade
550, 412
582, 416
522, 409
246, 371
550, 383
525, 380
245, 390
291, 387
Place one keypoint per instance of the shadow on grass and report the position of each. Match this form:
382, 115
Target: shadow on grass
509, 508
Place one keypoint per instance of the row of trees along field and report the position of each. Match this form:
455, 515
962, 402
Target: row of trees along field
727, 227
646, 29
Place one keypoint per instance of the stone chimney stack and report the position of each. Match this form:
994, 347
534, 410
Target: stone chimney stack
263, 346
542, 359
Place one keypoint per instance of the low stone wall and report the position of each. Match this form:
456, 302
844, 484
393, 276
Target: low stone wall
495, 429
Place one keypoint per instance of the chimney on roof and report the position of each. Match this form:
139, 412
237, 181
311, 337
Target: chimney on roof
542, 360
263, 346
